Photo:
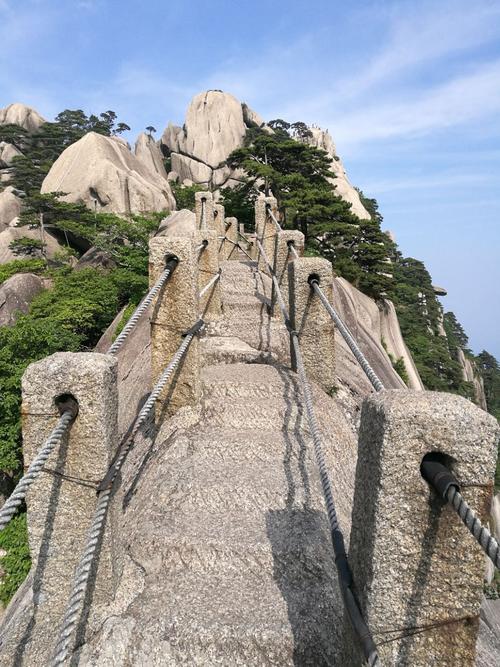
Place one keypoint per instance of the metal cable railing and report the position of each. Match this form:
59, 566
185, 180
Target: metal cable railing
237, 245
348, 337
209, 284
293, 250
83, 570
343, 569
202, 246
203, 222
19, 494
273, 217
442, 480
170, 264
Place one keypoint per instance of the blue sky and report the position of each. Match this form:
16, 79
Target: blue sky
409, 90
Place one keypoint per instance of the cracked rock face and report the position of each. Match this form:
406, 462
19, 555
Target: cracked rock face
149, 153
216, 123
101, 171
7, 153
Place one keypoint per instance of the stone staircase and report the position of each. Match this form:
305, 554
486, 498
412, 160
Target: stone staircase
222, 537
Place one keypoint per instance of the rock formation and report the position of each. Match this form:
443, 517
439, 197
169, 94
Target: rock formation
216, 123
22, 115
10, 206
376, 328
14, 233
16, 294
178, 223
470, 374
7, 153
215, 126
149, 153
101, 172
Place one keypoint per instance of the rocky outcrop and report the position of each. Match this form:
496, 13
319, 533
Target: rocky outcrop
22, 115
216, 123
95, 258
16, 294
322, 139
14, 233
470, 374
101, 172
178, 223
376, 329
10, 206
149, 153
7, 153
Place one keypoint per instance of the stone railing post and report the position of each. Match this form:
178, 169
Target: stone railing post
417, 571
266, 230
204, 201
208, 268
62, 501
310, 319
284, 255
220, 227
230, 250
175, 312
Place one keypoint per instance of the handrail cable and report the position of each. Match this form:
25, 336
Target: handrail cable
12, 504
83, 570
171, 262
238, 245
292, 249
348, 337
442, 480
209, 284
202, 246
343, 569
273, 217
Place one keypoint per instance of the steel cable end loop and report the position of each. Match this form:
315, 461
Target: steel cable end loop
67, 403
197, 327
438, 476
171, 261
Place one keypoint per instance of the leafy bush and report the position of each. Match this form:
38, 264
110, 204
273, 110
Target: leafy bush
184, 195
21, 266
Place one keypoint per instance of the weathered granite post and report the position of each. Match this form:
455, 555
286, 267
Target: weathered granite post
230, 250
219, 217
62, 501
203, 201
284, 255
310, 319
417, 570
266, 230
175, 312
208, 268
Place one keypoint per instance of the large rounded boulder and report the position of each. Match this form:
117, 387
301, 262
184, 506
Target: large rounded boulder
102, 173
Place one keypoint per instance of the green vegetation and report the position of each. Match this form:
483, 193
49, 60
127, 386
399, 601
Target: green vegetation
297, 174
69, 317
21, 266
16, 562
184, 195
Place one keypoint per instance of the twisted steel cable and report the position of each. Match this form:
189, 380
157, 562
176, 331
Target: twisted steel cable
343, 569
481, 534
348, 337
145, 303
273, 217
237, 246
19, 494
293, 250
83, 570
209, 284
